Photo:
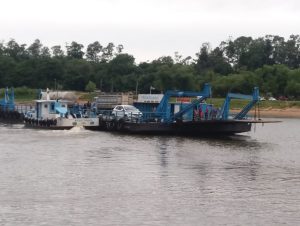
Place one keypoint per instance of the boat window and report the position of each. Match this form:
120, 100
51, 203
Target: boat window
63, 105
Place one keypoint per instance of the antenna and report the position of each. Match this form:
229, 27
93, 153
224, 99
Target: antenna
48, 94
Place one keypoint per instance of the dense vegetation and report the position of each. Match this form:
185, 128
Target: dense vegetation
270, 62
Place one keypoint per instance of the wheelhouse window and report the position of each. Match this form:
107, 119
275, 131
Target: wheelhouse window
52, 108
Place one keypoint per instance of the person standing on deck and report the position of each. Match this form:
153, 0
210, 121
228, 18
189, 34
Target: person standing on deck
206, 113
200, 112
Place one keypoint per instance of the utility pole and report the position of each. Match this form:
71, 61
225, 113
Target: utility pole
100, 85
55, 89
112, 86
136, 87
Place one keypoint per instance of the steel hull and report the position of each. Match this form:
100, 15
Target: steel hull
11, 117
190, 128
208, 127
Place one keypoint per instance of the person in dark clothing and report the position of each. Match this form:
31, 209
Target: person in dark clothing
88, 105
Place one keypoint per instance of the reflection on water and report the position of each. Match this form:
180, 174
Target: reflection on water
81, 177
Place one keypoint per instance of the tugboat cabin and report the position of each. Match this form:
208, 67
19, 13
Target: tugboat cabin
51, 109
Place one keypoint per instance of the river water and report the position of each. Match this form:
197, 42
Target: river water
81, 177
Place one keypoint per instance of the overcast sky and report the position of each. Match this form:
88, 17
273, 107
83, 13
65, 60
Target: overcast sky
148, 29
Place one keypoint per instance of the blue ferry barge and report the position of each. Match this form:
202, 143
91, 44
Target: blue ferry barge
186, 112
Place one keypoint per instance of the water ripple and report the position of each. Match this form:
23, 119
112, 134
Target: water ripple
82, 177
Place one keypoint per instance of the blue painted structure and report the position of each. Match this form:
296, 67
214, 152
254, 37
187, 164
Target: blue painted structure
254, 98
8, 102
165, 109
185, 112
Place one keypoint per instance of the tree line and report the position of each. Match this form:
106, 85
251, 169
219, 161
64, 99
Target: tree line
237, 65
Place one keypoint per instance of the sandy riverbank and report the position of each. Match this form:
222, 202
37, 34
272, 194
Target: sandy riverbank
276, 113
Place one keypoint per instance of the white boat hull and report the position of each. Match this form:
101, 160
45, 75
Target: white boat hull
64, 123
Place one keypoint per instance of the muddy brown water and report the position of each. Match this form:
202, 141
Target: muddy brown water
81, 177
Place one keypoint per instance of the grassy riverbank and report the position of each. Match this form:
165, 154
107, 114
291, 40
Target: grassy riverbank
267, 108
267, 104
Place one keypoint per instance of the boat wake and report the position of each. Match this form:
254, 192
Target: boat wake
76, 129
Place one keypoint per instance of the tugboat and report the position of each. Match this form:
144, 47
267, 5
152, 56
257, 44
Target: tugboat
55, 114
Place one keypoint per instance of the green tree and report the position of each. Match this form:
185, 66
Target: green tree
35, 49
292, 50
122, 64
292, 88
45, 52
16, 51
270, 62
166, 60
202, 63
274, 79
90, 87
119, 49
77, 73
1, 49
278, 52
57, 51
75, 50
108, 52
212, 60
7, 71
93, 50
